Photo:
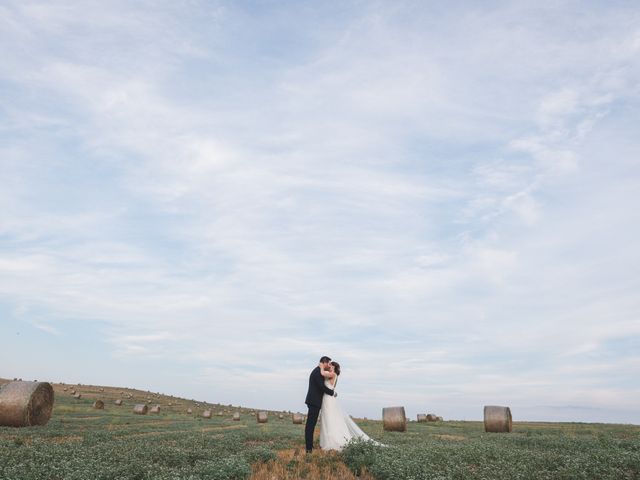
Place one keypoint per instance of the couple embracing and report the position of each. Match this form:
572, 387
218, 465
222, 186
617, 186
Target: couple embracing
336, 427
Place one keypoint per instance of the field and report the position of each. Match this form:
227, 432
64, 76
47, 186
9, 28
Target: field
82, 443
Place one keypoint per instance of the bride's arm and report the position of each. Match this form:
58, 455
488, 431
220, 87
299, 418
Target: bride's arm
327, 374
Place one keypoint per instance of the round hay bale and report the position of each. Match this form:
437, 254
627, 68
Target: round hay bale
101, 390
422, 417
262, 417
280, 416
220, 413
73, 392
497, 419
155, 409
394, 419
439, 419
298, 418
24, 404
236, 416
65, 389
98, 405
431, 417
140, 409
189, 411
206, 414
77, 396
118, 402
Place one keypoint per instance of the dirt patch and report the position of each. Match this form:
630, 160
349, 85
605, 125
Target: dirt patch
456, 438
294, 464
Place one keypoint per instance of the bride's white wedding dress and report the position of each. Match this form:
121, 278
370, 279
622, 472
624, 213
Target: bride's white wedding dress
336, 427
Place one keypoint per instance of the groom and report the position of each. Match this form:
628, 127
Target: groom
316, 390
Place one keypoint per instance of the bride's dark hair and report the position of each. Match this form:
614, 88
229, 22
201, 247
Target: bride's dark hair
336, 368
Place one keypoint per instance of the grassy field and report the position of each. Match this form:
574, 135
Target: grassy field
82, 443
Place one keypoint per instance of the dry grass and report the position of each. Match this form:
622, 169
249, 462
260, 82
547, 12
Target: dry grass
295, 464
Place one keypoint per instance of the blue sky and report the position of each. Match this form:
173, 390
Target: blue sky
201, 198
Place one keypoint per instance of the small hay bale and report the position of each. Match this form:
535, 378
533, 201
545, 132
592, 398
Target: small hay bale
155, 409
497, 419
189, 411
118, 402
298, 418
77, 396
236, 416
431, 417
25, 404
439, 419
101, 390
98, 405
140, 409
206, 414
73, 392
394, 419
262, 417
280, 416
65, 389
220, 413
422, 417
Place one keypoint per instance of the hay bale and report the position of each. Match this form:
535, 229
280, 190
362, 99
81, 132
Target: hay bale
280, 416
394, 419
189, 411
73, 392
206, 414
236, 416
422, 417
298, 419
155, 409
98, 405
101, 390
431, 417
439, 419
140, 409
118, 402
25, 404
497, 419
77, 396
220, 413
64, 389
262, 417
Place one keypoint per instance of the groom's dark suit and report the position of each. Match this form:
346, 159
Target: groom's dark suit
317, 389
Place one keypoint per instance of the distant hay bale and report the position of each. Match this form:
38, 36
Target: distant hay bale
262, 417
155, 409
394, 419
431, 417
77, 396
497, 419
236, 416
72, 392
298, 419
280, 416
101, 390
25, 404
118, 402
170, 404
422, 417
98, 405
140, 409
189, 411
65, 389
220, 413
206, 414
439, 419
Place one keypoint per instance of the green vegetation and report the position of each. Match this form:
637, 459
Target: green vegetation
112, 444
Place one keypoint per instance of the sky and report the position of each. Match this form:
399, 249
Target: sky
201, 198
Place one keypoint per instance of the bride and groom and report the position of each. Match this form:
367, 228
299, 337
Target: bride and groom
336, 427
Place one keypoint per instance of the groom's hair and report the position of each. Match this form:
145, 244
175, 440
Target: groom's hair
325, 359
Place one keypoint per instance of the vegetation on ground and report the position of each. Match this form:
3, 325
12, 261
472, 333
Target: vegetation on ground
114, 444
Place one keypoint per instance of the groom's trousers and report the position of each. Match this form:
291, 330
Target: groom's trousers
312, 419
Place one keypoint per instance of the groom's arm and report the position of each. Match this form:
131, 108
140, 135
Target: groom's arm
319, 381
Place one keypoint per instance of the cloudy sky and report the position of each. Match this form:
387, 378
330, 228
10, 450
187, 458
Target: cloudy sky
202, 198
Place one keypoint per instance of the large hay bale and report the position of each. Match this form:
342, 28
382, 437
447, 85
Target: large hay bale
262, 417
431, 417
298, 418
422, 417
155, 409
24, 404
206, 414
140, 409
98, 405
236, 416
394, 419
497, 419
118, 402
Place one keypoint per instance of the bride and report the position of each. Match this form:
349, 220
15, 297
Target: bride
336, 427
